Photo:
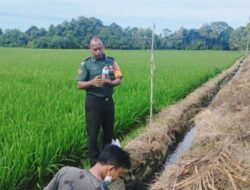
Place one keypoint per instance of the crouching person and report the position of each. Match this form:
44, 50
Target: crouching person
109, 167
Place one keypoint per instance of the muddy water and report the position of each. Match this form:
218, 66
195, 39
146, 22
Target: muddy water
181, 147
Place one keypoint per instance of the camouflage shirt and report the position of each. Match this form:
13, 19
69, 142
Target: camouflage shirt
71, 178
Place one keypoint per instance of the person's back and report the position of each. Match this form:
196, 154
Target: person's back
74, 179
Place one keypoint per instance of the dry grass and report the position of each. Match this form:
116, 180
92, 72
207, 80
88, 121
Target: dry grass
220, 155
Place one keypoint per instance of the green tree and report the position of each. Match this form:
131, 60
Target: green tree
237, 38
13, 38
33, 32
77, 33
166, 32
113, 36
221, 31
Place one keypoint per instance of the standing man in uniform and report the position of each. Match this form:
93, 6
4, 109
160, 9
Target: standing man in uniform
98, 75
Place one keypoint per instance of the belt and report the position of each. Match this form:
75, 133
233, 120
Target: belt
101, 98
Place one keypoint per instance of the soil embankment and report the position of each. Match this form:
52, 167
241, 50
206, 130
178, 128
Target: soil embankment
219, 157
150, 149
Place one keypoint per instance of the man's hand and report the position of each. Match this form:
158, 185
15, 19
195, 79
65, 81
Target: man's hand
107, 81
97, 81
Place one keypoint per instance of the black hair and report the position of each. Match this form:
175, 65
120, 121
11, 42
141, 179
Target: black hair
94, 38
115, 156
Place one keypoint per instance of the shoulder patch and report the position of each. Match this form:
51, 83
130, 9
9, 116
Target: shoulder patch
117, 71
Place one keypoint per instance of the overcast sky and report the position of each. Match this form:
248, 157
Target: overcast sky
172, 14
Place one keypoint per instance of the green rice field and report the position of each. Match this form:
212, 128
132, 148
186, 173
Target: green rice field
41, 110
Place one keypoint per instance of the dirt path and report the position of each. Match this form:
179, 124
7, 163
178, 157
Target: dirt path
219, 157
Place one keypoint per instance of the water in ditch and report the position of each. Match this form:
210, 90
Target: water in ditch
182, 147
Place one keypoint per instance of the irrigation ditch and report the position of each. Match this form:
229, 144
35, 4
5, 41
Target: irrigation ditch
219, 156
161, 144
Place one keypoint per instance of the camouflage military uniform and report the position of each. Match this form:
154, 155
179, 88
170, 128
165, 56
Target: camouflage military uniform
99, 105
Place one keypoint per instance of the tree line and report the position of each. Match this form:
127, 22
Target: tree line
77, 33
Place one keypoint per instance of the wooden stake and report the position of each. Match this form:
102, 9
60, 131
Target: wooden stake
151, 80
